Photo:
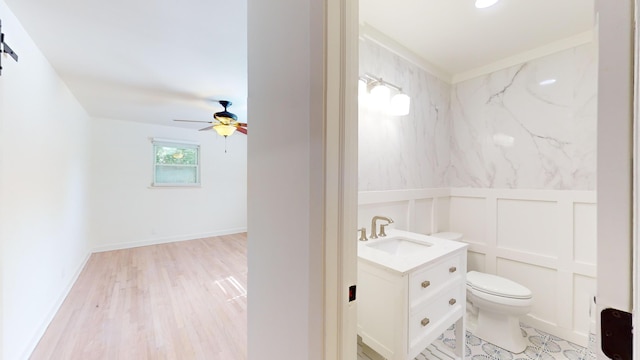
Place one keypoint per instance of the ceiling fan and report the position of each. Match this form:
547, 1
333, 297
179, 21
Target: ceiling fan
224, 123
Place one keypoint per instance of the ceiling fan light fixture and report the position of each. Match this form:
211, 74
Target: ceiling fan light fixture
224, 130
224, 116
224, 123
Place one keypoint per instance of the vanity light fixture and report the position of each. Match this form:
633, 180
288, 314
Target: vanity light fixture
400, 104
481, 4
380, 95
362, 87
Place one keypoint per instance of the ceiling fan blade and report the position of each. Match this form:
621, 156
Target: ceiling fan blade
207, 128
242, 124
242, 130
200, 121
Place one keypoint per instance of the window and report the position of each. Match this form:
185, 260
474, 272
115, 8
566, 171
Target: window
175, 163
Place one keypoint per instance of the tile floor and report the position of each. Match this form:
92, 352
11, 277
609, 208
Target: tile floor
541, 346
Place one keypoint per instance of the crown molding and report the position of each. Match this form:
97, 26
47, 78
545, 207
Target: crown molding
369, 33
536, 53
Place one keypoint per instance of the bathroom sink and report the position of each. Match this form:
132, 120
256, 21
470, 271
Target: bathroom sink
400, 246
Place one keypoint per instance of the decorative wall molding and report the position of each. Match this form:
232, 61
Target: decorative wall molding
545, 50
368, 32
543, 239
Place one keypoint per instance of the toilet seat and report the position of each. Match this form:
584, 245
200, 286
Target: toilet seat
497, 286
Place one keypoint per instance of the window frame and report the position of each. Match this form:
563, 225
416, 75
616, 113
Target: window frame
180, 144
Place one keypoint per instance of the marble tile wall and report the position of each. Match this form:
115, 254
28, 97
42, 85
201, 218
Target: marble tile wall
531, 126
403, 152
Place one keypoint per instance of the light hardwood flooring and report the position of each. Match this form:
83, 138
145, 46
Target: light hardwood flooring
183, 300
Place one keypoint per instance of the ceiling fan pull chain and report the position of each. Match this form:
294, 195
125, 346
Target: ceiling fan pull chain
225, 144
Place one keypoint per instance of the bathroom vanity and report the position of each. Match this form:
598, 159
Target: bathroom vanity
411, 288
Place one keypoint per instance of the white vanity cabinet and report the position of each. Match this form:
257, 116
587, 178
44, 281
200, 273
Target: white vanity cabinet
401, 312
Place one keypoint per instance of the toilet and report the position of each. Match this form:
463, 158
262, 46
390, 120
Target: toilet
497, 303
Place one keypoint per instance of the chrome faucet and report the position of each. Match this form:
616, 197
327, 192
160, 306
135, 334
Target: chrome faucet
374, 226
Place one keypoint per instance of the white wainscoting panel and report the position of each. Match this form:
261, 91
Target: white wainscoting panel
584, 233
475, 261
397, 211
543, 239
442, 209
422, 216
468, 216
539, 279
422, 210
584, 288
528, 225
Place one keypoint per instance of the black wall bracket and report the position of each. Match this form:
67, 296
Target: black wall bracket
617, 334
5, 49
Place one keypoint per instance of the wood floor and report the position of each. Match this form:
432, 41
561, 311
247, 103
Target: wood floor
184, 300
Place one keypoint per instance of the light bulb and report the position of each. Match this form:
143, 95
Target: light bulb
380, 97
224, 130
400, 104
363, 97
362, 87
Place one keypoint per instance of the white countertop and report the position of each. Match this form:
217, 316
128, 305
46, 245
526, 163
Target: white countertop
406, 263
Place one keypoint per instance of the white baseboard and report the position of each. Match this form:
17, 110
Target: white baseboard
35, 339
157, 241
553, 329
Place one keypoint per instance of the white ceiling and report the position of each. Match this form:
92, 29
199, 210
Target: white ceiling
144, 60
158, 60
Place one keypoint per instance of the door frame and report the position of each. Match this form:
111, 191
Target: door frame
618, 275
341, 177
636, 179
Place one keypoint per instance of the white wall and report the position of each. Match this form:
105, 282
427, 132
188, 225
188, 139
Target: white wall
126, 211
43, 185
403, 152
528, 126
286, 177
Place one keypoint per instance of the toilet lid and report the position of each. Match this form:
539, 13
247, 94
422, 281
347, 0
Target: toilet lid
496, 285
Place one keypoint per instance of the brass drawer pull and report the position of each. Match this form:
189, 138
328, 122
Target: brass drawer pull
452, 301
426, 284
425, 322
452, 269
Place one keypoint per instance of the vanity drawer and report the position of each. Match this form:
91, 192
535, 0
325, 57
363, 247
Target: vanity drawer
427, 282
431, 319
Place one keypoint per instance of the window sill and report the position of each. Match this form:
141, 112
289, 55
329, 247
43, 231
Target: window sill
175, 186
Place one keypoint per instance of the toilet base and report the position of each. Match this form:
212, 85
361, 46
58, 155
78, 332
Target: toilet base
501, 330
